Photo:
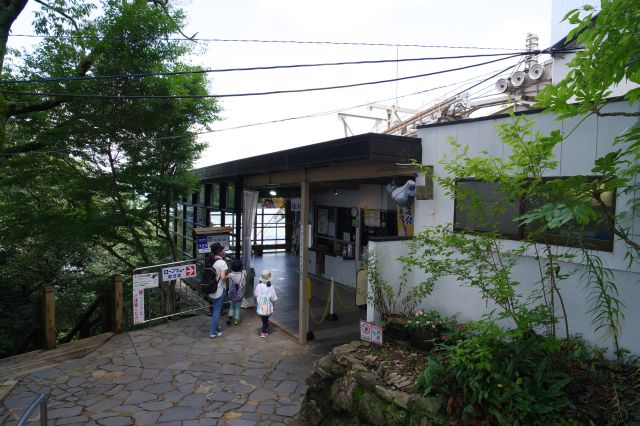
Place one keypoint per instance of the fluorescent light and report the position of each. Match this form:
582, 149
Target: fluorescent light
272, 192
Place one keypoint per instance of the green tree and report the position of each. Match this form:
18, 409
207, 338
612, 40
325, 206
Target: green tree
87, 182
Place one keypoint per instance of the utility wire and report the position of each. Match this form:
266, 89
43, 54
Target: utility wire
335, 111
332, 43
312, 115
231, 95
260, 68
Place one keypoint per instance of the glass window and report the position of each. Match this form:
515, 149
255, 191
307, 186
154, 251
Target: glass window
215, 195
231, 196
202, 194
215, 218
485, 207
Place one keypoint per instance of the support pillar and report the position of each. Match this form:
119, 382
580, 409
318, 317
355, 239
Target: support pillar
304, 262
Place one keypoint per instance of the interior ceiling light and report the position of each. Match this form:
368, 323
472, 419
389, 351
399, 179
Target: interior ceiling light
272, 193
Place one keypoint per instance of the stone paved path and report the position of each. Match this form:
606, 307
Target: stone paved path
174, 374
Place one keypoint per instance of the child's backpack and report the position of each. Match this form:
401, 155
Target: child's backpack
236, 284
263, 305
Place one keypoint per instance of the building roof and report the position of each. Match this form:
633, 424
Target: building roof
359, 148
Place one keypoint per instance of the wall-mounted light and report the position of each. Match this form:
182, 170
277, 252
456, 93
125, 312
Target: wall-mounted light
335, 192
272, 193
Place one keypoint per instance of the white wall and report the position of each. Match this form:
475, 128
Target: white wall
576, 155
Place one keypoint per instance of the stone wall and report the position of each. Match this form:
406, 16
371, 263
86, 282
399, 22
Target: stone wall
344, 390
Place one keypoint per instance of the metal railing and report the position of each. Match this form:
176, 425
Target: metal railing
40, 401
177, 297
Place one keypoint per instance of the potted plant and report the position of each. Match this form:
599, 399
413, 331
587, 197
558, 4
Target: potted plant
426, 328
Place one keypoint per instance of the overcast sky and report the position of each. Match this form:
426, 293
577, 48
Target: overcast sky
492, 24
489, 24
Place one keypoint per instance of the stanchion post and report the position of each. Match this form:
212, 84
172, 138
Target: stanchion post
332, 316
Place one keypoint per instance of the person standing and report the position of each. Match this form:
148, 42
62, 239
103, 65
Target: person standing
237, 280
266, 297
217, 256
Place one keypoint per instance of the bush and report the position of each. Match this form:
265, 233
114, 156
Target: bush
503, 376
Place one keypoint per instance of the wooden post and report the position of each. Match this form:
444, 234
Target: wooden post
49, 317
118, 306
304, 262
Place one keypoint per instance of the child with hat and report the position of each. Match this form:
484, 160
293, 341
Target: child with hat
265, 294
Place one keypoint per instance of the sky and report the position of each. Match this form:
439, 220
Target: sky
488, 24
493, 25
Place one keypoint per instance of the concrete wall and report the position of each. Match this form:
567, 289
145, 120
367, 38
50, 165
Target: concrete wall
592, 139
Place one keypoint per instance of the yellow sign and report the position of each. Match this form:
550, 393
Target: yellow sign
405, 220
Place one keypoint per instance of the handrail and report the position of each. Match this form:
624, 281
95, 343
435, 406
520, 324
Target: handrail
85, 316
41, 401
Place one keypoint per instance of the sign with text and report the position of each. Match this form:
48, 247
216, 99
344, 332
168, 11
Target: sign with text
142, 281
175, 272
203, 244
138, 306
372, 218
370, 332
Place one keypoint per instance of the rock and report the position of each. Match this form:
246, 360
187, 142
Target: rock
367, 379
393, 396
310, 414
428, 406
347, 348
342, 393
370, 410
327, 367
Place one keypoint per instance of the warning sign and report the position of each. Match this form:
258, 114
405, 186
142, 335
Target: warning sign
370, 332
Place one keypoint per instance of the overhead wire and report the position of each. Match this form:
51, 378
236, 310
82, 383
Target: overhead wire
230, 95
335, 111
313, 115
256, 68
316, 42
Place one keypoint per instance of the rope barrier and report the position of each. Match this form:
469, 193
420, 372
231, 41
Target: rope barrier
344, 306
326, 308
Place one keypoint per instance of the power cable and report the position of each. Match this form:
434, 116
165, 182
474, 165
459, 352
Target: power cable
274, 92
320, 42
257, 68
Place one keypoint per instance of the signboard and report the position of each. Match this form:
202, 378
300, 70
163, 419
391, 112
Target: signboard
138, 306
175, 272
142, 281
405, 221
372, 217
370, 332
203, 244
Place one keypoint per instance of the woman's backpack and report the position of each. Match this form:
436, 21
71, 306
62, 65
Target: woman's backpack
209, 280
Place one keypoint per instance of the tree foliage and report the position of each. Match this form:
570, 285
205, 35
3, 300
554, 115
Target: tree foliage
86, 183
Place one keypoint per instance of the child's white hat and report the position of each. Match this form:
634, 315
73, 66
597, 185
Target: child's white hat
265, 275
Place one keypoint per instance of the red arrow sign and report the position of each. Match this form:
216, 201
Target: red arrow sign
190, 271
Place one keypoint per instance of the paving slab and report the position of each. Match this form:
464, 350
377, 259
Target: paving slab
174, 374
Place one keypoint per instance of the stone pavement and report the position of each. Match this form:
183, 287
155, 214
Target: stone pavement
174, 374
